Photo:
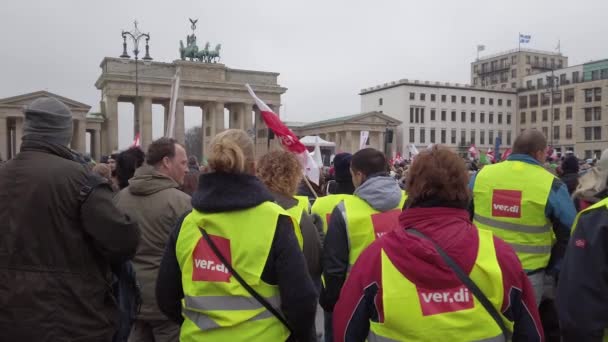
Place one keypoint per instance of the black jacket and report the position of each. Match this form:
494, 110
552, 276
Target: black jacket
582, 296
56, 248
285, 266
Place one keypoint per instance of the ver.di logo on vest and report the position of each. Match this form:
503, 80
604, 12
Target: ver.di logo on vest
385, 222
433, 302
506, 203
208, 267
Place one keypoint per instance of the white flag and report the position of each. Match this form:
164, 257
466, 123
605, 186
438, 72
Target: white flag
170, 129
363, 139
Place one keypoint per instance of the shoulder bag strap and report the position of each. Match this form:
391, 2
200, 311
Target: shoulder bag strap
242, 281
469, 283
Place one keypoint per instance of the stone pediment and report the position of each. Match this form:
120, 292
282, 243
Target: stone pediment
25, 99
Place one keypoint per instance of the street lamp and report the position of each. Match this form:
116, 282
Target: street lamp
135, 36
551, 89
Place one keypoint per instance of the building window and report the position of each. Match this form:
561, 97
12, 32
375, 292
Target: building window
533, 100
568, 113
556, 132
472, 99
508, 119
513, 59
463, 116
432, 115
473, 137
568, 131
443, 115
500, 118
588, 154
528, 71
546, 132
432, 97
522, 118
500, 102
482, 117
595, 75
597, 133
508, 137
421, 115
491, 101
482, 137
443, 98
569, 95
514, 73
588, 114
453, 137
491, 118
422, 137
539, 83
528, 84
588, 95
557, 97
597, 113
545, 115
528, 59
604, 74
523, 102
453, 98
514, 85
463, 99
598, 94
533, 116
508, 103
555, 114
432, 135
490, 137
562, 79
472, 116
417, 115
588, 131
411, 114
380, 102
422, 96
463, 137
575, 77
500, 135
544, 99
412, 135
443, 135
482, 100
453, 116
412, 96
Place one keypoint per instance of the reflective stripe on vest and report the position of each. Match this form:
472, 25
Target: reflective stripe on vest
325, 205
412, 313
364, 224
510, 199
601, 204
215, 305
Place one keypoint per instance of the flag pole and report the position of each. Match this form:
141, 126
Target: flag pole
519, 42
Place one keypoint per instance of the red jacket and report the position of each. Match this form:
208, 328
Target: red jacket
451, 228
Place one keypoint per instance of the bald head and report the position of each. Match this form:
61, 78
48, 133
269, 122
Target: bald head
531, 142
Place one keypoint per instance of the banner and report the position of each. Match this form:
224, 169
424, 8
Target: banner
363, 139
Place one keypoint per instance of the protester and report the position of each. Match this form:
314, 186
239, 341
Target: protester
191, 179
310, 190
592, 185
359, 219
583, 287
103, 170
255, 238
126, 163
385, 295
520, 201
60, 235
281, 173
153, 200
569, 173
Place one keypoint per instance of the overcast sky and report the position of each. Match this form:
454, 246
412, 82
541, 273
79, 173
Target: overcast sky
326, 51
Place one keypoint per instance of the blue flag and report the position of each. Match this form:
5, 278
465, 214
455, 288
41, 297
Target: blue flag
524, 38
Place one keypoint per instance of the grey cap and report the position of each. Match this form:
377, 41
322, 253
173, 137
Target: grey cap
49, 118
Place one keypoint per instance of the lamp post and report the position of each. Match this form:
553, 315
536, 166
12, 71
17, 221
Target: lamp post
551, 89
135, 36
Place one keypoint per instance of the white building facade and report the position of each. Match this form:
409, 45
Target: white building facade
442, 113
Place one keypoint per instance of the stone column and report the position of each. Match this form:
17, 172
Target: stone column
247, 118
18, 134
180, 130
96, 144
4, 135
349, 143
235, 120
167, 107
111, 124
145, 121
80, 136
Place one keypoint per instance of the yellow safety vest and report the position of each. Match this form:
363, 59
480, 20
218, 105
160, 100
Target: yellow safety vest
296, 213
510, 200
215, 306
325, 205
303, 202
412, 313
364, 224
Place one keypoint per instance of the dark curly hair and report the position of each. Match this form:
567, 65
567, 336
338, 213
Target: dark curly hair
280, 171
440, 175
126, 163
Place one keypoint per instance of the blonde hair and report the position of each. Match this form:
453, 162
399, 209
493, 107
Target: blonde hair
280, 171
231, 151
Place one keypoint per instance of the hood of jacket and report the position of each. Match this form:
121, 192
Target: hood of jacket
219, 192
380, 192
148, 181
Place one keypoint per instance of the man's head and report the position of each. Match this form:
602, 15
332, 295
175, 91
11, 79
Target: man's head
532, 143
49, 119
365, 163
169, 158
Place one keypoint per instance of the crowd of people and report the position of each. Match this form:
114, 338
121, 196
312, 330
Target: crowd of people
152, 246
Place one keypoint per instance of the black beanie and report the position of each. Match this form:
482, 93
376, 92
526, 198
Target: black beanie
49, 118
342, 167
570, 164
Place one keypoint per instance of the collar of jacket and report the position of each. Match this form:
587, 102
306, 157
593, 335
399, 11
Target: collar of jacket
220, 192
523, 158
35, 143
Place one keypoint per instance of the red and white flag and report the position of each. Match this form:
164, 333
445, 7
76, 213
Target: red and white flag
506, 154
288, 140
136, 142
490, 155
473, 151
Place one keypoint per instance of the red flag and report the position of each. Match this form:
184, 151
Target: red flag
473, 151
506, 154
136, 142
490, 155
289, 140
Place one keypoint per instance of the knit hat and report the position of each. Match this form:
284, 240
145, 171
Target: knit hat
49, 118
342, 167
570, 164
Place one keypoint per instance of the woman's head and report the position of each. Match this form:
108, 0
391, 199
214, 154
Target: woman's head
126, 164
232, 152
438, 174
280, 171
